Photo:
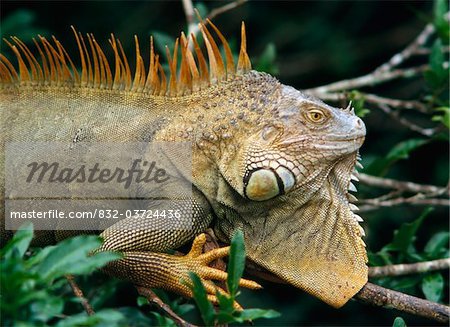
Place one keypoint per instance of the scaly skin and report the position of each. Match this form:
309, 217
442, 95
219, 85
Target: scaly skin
267, 160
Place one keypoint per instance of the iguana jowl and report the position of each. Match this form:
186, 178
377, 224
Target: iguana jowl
267, 159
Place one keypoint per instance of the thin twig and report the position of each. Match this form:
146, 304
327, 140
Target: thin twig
379, 296
230, 6
396, 103
405, 122
383, 297
79, 294
376, 99
425, 51
155, 300
370, 79
194, 28
373, 204
408, 269
400, 185
188, 8
409, 51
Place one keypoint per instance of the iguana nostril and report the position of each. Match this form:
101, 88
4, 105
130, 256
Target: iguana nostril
359, 123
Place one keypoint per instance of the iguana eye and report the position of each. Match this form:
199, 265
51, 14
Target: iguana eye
316, 116
264, 184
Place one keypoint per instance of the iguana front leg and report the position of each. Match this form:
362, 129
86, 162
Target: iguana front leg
142, 245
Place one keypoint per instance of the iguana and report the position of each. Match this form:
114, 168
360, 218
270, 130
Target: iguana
267, 159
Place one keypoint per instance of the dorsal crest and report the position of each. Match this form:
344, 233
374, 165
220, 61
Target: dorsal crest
194, 72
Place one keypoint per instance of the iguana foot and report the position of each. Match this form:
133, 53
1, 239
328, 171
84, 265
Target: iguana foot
171, 272
197, 262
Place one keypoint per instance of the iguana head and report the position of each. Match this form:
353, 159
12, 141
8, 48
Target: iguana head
286, 187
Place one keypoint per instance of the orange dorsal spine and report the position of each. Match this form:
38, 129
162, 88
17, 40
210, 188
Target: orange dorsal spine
193, 73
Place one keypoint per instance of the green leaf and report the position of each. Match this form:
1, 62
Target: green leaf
252, 314
403, 149
103, 318
236, 263
134, 317
163, 321
437, 58
358, 102
400, 151
440, 23
48, 309
184, 308
225, 302
433, 286
437, 244
444, 117
399, 322
60, 260
205, 307
142, 301
405, 235
20, 242
267, 60
162, 40
437, 75
405, 284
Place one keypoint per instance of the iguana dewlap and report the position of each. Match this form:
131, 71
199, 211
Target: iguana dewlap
267, 159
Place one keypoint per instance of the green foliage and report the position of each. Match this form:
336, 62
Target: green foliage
433, 287
177, 307
405, 236
236, 263
439, 21
400, 151
31, 285
436, 246
437, 75
443, 116
21, 23
402, 249
227, 311
358, 102
267, 60
399, 322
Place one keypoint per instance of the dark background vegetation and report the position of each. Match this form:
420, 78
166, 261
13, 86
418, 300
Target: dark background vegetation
305, 44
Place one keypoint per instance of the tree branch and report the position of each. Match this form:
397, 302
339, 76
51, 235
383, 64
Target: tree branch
188, 8
425, 194
409, 51
400, 185
373, 204
230, 6
370, 79
79, 294
416, 128
407, 269
379, 296
155, 300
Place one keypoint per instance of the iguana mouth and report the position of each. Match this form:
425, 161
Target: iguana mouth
349, 139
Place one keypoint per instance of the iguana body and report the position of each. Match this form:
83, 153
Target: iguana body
267, 159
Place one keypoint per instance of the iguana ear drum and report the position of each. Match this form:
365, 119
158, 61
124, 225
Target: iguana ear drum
265, 183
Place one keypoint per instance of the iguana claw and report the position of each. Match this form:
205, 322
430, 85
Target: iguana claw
197, 262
